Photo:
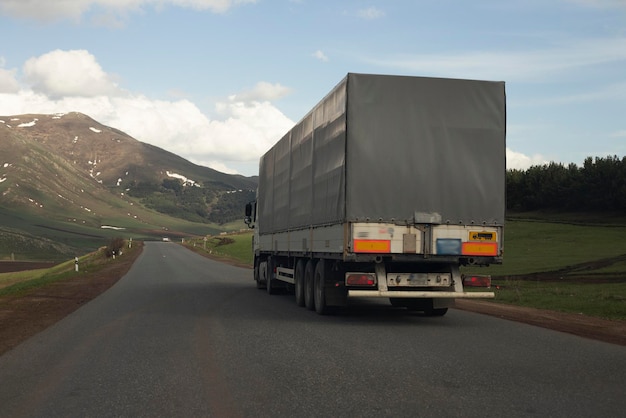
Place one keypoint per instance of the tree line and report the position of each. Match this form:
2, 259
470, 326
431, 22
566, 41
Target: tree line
599, 185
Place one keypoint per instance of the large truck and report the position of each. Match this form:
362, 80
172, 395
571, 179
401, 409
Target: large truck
384, 190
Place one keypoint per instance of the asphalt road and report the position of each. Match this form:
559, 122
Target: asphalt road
184, 336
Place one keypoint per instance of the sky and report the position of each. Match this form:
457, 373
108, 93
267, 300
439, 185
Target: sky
218, 82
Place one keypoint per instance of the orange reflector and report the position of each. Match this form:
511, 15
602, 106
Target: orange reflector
360, 279
479, 248
477, 281
372, 246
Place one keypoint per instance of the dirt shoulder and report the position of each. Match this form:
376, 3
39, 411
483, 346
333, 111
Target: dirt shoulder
609, 331
23, 316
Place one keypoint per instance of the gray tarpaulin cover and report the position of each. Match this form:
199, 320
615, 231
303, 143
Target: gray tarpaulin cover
392, 149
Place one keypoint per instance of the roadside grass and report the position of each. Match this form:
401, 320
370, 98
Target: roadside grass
235, 247
23, 279
17, 283
603, 300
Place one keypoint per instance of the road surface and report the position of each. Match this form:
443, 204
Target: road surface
184, 336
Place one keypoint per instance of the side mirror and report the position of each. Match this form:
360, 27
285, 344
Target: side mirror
249, 214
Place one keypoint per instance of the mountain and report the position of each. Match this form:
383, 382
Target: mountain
69, 179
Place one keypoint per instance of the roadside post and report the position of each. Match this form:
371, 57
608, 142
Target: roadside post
76, 264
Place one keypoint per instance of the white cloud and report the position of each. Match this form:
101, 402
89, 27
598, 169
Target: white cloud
68, 73
249, 123
320, 55
619, 134
519, 161
370, 13
47, 10
8, 82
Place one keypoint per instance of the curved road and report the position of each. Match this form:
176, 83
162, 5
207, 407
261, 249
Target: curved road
183, 336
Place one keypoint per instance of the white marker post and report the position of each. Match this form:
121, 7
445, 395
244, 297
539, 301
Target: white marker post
76, 264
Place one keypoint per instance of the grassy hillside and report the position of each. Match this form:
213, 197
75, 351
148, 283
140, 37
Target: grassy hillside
31, 236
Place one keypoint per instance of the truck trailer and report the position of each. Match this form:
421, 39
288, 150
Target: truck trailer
384, 190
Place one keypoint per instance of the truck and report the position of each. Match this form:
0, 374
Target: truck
385, 189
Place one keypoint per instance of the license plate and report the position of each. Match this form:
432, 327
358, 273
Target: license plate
418, 280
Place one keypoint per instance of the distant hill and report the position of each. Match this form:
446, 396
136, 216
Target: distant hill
70, 174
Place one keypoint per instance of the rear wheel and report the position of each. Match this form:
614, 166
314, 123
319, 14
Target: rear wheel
309, 273
299, 282
319, 288
270, 283
257, 274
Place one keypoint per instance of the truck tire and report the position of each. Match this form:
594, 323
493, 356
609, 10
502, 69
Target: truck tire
299, 282
309, 273
270, 283
319, 288
257, 274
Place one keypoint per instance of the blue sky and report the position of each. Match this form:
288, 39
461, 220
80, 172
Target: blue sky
219, 81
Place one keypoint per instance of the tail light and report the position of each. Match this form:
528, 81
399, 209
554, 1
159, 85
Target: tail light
360, 279
476, 281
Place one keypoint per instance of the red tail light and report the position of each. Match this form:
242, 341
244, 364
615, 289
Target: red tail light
360, 279
476, 281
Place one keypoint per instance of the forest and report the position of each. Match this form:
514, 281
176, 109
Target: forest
599, 185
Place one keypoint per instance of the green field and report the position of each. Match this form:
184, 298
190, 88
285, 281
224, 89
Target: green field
232, 247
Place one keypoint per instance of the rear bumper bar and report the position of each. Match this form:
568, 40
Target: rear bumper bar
419, 294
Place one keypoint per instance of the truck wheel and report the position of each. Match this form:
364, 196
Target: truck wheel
299, 282
309, 273
319, 288
270, 283
257, 274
